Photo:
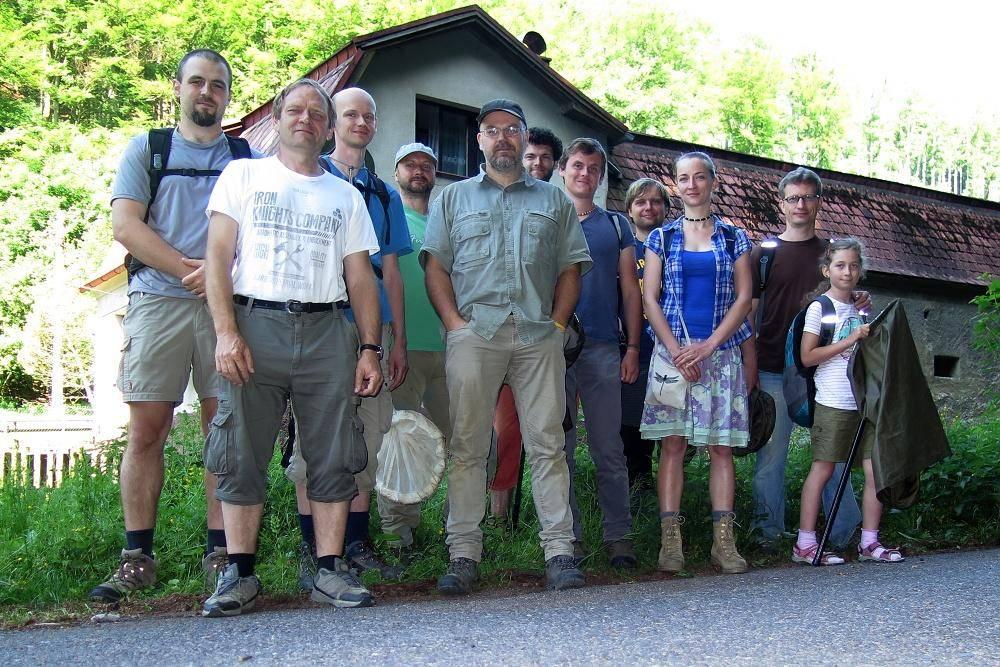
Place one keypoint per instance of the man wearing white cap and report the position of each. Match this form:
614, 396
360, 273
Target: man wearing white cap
416, 167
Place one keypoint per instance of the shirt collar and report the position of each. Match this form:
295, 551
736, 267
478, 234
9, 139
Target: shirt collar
526, 178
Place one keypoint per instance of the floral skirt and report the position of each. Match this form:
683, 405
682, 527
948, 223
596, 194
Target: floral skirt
716, 412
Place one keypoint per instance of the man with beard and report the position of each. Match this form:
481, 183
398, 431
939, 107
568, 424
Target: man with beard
168, 329
503, 258
416, 166
542, 154
283, 332
540, 158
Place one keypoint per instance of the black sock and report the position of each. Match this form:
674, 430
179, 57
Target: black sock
216, 538
308, 532
717, 515
357, 528
140, 539
244, 563
327, 562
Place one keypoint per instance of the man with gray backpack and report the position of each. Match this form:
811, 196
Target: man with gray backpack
785, 270
158, 213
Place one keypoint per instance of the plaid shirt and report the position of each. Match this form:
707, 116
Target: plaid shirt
725, 291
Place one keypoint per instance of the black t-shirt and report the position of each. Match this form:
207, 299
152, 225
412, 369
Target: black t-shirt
794, 273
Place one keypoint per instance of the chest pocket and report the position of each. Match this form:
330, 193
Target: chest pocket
540, 239
472, 240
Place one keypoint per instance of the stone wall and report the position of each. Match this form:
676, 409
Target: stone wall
941, 320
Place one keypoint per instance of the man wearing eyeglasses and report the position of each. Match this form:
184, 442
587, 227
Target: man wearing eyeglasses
503, 256
793, 272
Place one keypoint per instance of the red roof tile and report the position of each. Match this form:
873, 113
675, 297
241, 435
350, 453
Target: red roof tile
908, 231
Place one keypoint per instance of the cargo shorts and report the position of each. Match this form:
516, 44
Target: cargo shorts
311, 359
168, 340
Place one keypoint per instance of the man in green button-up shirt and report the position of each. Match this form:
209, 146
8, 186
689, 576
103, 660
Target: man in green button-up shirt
503, 258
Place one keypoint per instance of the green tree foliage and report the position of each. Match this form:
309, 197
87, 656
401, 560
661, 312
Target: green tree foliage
77, 77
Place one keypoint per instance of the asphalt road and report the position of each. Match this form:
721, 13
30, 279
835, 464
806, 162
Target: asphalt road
942, 609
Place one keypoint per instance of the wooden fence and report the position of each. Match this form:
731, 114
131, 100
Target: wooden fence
41, 450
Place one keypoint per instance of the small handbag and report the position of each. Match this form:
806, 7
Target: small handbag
667, 386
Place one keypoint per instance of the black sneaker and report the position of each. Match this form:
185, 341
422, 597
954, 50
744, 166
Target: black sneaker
360, 556
461, 575
233, 594
561, 573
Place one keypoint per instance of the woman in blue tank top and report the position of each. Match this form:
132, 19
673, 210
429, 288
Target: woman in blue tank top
705, 285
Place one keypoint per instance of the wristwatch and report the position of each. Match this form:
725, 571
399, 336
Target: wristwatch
369, 346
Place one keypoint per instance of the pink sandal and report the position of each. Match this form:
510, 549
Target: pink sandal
877, 553
807, 555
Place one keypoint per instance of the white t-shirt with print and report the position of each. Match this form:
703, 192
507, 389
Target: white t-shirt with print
294, 230
833, 388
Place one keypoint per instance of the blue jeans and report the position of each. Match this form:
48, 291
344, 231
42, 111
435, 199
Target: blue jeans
769, 479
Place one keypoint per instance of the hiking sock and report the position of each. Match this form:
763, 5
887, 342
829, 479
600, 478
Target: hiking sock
717, 515
664, 515
140, 539
357, 528
244, 563
806, 539
308, 532
868, 537
216, 538
327, 562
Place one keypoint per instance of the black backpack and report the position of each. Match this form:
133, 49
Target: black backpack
797, 383
376, 186
159, 155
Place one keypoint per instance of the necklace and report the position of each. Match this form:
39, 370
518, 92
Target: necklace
351, 169
584, 215
707, 217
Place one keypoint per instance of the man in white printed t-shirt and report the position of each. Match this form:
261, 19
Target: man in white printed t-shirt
301, 239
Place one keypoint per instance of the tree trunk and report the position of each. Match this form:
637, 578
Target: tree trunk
57, 401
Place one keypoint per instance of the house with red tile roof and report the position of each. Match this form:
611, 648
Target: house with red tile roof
429, 78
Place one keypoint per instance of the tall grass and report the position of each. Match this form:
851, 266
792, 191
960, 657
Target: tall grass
56, 544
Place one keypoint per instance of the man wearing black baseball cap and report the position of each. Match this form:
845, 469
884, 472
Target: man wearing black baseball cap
503, 256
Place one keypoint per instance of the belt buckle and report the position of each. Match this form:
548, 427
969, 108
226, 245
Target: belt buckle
294, 307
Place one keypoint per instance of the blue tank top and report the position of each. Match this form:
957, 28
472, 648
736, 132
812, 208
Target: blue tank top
699, 292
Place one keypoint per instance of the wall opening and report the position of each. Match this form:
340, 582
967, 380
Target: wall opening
945, 366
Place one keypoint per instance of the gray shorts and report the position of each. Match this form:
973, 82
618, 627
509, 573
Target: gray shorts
311, 358
167, 341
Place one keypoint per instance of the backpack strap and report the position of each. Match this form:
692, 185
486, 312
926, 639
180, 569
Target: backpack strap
828, 320
763, 274
616, 221
159, 152
239, 148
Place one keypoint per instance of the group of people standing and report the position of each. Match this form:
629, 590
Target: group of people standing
303, 281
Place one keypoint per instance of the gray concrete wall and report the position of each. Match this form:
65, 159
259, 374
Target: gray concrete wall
459, 69
941, 323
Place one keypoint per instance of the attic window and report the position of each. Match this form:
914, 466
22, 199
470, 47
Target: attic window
945, 366
451, 132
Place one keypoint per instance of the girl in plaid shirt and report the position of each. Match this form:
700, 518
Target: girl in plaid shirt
705, 280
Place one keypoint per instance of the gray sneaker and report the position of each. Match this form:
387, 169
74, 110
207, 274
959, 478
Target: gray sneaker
340, 587
461, 574
213, 564
233, 594
307, 565
360, 556
135, 571
561, 573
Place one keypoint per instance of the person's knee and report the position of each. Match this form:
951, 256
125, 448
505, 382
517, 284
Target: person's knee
673, 448
148, 430
720, 455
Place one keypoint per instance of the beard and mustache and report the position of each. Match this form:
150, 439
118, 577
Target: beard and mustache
504, 163
204, 118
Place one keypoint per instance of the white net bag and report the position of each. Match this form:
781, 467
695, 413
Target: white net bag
411, 461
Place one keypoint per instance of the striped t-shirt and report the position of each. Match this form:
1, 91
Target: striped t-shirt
833, 388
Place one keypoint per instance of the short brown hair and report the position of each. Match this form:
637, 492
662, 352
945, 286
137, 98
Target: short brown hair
279, 101
800, 175
587, 146
640, 187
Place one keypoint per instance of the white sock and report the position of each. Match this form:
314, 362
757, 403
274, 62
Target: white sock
806, 539
868, 537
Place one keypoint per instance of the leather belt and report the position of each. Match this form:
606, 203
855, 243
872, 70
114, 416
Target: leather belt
291, 306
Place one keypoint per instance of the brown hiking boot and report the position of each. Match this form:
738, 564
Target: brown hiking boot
724, 552
135, 571
671, 549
